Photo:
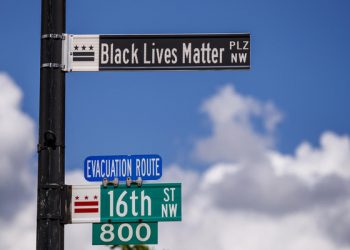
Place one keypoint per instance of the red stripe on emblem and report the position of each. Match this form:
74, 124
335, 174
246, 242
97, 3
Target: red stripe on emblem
86, 210
85, 203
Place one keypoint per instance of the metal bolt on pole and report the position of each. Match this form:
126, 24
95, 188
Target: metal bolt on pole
51, 202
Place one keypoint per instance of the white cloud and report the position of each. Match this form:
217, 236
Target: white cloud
260, 198
19, 232
312, 164
234, 137
17, 145
17, 182
252, 197
209, 225
222, 230
219, 172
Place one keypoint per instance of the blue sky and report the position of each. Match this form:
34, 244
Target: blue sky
299, 62
206, 125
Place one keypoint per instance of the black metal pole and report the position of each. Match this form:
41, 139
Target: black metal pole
51, 202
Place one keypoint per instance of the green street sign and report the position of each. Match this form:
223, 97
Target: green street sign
124, 233
150, 202
106, 204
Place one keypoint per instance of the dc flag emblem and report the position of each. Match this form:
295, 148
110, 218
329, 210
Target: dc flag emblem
85, 205
83, 53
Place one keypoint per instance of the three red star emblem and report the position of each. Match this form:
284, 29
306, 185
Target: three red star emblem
86, 197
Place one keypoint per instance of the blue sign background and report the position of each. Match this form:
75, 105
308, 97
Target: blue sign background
148, 167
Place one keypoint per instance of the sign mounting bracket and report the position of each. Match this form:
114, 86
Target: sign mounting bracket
53, 36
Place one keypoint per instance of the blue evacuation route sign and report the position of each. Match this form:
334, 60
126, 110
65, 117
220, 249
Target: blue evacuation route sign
148, 167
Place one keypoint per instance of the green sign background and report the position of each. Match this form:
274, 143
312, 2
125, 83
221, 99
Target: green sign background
124, 233
149, 203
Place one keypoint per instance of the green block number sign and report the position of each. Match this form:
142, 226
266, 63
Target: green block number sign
124, 233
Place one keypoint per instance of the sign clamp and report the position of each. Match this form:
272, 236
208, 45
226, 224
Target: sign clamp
53, 36
53, 65
66, 48
64, 214
128, 182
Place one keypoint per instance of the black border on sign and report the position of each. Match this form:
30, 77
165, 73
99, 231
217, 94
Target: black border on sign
213, 35
176, 68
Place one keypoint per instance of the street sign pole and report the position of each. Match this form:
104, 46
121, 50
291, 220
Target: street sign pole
51, 204
126, 213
